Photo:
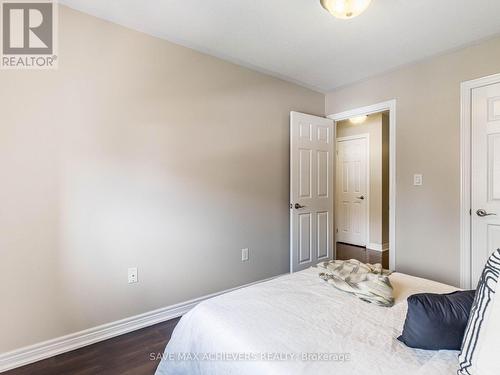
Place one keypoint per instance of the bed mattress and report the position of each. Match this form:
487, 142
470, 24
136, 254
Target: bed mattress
298, 324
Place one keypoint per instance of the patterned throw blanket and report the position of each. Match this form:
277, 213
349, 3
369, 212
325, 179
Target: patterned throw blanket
368, 282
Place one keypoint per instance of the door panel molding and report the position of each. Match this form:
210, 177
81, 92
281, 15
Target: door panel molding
465, 174
323, 233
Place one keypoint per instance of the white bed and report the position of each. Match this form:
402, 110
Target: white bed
300, 313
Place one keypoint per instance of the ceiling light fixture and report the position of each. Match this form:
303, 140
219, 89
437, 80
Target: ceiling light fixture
345, 9
358, 119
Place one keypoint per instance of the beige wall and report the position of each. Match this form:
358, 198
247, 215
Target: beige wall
379, 150
136, 152
428, 142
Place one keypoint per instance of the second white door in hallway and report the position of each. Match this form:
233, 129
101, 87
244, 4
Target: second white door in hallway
352, 189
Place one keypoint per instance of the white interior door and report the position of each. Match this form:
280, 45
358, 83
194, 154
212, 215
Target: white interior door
485, 184
352, 190
311, 190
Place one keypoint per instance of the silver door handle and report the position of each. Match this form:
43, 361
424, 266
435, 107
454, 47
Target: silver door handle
298, 206
482, 213
361, 197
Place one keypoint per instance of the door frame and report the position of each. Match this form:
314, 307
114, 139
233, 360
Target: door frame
367, 218
390, 106
465, 174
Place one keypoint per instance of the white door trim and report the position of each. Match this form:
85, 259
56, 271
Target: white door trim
375, 108
465, 173
367, 218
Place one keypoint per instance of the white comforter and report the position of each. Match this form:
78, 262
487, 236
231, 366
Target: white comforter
296, 314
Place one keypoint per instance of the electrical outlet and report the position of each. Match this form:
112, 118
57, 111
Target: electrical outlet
244, 255
132, 275
418, 180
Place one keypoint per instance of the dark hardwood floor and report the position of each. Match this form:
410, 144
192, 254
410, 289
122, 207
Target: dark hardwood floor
129, 354
346, 251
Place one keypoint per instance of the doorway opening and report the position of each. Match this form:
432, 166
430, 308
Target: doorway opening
365, 184
362, 188
313, 236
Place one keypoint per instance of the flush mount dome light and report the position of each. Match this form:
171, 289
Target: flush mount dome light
345, 9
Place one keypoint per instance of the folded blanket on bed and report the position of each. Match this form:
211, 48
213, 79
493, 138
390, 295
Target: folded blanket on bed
368, 282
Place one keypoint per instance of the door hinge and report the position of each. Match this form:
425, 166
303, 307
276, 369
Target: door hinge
336, 230
470, 211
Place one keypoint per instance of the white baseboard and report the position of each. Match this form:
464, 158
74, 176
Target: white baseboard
378, 246
50, 348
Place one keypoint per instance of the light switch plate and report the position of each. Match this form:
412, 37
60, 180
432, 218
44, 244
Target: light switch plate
418, 180
244, 255
132, 275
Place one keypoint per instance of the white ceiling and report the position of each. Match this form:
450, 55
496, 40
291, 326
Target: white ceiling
299, 41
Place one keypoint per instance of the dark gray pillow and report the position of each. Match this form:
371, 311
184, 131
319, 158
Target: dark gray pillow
437, 321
